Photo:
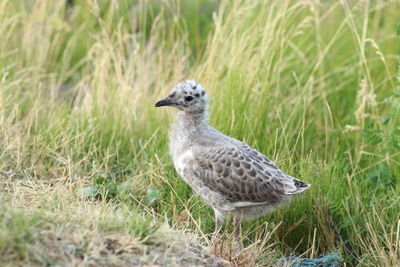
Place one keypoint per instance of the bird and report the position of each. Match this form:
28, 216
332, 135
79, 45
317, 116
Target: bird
229, 175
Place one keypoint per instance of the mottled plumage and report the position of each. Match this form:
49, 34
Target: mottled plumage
228, 174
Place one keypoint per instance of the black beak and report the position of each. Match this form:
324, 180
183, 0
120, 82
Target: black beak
163, 102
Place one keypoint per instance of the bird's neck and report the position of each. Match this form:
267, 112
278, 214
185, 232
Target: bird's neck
192, 121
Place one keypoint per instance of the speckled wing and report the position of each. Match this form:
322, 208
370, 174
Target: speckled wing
241, 173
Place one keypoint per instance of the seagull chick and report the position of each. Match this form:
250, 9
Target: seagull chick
229, 175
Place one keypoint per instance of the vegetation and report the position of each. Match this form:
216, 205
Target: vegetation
84, 165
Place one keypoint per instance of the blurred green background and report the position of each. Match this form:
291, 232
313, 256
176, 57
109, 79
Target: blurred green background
314, 85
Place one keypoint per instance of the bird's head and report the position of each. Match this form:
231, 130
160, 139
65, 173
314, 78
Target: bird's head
188, 96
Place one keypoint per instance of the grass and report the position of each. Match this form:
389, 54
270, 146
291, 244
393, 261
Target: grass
84, 161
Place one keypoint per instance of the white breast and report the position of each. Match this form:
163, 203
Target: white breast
182, 160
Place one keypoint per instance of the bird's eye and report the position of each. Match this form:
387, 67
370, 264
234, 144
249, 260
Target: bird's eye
188, 98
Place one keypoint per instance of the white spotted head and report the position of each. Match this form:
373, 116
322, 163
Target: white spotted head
188, 96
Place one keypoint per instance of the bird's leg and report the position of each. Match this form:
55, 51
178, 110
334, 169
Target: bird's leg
219, 220
215, 243
236, 233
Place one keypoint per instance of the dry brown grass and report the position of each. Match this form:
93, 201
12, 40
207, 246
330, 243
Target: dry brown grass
66, 227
